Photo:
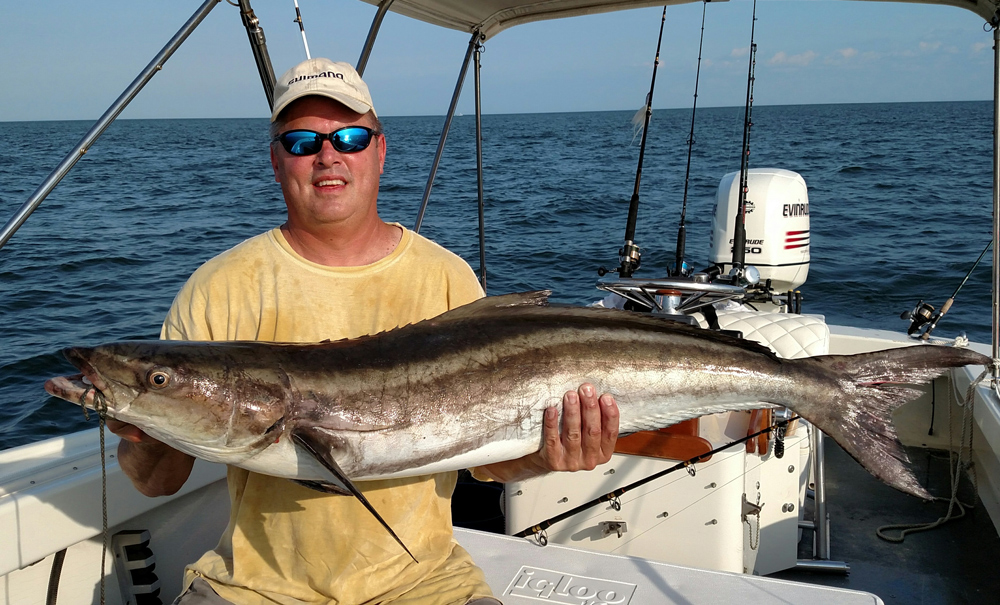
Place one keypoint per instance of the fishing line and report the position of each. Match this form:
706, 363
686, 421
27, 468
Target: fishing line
681, 269
101, 407
613, 496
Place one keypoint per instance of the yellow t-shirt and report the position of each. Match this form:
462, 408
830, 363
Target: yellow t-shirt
289, 544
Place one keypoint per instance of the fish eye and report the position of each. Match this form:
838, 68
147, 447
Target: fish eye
158, 378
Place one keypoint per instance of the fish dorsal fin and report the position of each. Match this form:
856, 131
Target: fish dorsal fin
483, 306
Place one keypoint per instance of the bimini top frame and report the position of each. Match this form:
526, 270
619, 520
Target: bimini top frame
486, 18
491, 17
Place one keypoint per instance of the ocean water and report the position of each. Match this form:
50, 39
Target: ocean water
900, 209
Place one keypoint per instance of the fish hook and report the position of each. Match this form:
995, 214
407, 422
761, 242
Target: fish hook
100, 404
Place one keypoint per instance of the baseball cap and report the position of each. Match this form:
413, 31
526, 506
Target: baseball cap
333, 79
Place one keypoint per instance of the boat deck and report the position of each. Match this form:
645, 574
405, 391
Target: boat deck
958, 562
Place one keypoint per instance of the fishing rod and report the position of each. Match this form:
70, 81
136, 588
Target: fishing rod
923, 313
614, 496
629, 255
681, 269
740, 231
302, 28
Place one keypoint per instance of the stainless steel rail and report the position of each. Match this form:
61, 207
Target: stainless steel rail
103, 122
383, 8
996, 204
479, 169
258, 44
821, 522
444, 131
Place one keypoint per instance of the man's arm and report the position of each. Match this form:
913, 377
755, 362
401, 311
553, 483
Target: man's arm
155, 468
587, 439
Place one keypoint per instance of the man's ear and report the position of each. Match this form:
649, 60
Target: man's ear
381, 155
274, 165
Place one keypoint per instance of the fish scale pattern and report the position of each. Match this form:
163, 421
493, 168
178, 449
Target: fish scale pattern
789, 335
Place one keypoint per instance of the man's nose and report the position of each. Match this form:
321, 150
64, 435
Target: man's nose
327, 154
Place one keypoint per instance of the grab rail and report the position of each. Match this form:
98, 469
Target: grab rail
102, 124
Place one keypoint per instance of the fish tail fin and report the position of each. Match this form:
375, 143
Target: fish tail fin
856, 411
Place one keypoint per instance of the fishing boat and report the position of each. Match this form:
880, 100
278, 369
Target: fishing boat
755, 508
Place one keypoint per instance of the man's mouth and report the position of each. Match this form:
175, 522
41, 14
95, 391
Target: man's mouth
330, 183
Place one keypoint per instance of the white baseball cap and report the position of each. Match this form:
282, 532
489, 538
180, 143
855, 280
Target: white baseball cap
335, 80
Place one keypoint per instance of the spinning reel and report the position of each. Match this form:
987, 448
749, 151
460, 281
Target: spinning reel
920, 316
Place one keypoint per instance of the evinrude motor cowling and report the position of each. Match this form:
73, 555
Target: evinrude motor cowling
777, 225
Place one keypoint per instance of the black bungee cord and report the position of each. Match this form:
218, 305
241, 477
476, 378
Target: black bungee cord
680, 270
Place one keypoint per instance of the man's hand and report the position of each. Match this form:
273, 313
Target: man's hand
585, 440
130, 432
155, 468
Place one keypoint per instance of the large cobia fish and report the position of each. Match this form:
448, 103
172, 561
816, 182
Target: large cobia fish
470, 387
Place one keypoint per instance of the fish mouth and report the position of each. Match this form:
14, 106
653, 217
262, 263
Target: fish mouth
72, 389
82, 388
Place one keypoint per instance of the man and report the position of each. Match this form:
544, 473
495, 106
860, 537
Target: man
336, 270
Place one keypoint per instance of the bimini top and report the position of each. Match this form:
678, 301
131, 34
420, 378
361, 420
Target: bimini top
494, 16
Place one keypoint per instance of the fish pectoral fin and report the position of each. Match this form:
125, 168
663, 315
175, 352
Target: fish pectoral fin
324, 486
312, 439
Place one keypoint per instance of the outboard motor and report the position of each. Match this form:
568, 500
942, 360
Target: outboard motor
777, 225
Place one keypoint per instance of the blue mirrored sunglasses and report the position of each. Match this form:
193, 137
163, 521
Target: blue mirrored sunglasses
308, 142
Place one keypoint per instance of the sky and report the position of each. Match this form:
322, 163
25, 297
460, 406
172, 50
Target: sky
69, 60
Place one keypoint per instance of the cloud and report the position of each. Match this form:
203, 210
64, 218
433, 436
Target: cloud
847, 53
979, 47
740, 52
799, 60
929, 46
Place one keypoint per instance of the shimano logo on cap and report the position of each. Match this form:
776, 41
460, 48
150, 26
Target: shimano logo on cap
322, 74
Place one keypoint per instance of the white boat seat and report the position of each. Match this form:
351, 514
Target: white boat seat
789, 335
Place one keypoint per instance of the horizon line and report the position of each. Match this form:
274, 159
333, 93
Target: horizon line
518, 113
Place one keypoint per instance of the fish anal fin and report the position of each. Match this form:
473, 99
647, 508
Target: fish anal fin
313, 440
